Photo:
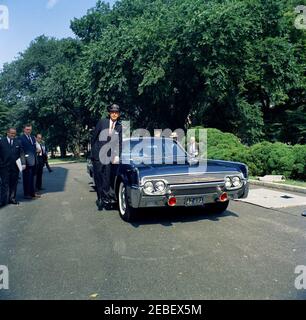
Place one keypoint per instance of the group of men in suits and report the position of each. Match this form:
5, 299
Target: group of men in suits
25, 154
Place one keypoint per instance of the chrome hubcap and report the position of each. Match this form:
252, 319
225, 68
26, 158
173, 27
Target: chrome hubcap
122, 200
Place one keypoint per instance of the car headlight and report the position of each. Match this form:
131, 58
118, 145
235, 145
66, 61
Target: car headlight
236, 181
232, 182
160, 186
148, 187
157, 187
228, 183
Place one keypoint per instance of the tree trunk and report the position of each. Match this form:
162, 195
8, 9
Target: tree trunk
76, 151
63, 151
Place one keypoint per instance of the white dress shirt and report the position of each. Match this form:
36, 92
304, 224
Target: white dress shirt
38, 149
10, 141
193, 149
112, 125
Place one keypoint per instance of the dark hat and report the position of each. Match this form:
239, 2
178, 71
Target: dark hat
114, 108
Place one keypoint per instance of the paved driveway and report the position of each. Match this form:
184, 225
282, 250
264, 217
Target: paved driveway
61, 247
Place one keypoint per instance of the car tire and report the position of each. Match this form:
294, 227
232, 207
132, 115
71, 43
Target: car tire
126, 212
218, 207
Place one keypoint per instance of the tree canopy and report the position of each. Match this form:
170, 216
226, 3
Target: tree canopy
238, 66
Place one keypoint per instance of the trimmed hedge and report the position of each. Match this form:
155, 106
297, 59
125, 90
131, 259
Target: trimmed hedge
299, 165
262, 158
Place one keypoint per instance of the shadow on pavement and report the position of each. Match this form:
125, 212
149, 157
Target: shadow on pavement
52, 182
167, 216
301, 295
55, 181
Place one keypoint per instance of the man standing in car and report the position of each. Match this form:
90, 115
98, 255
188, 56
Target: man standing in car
106, 136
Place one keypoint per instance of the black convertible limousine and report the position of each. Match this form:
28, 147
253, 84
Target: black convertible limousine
158, 172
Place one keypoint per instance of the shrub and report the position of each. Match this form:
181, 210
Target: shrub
271, 158
262, 158
299, 166
224, 146
281, 159
258, 158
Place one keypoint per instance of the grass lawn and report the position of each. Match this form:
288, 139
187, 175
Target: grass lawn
295, 183
68, 159
289, 182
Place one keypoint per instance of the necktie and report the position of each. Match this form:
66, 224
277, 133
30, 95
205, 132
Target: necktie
11, 142
112, 127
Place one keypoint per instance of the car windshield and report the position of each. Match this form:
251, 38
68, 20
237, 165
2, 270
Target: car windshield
154, 149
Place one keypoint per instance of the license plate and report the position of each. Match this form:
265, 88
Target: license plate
194, 201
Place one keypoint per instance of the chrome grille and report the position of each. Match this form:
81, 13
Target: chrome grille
187, 192
190, 177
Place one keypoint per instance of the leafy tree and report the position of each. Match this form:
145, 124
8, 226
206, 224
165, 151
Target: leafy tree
3, 118
40, 87
238, 66
226, 64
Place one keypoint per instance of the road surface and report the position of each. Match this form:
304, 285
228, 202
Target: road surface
61, 247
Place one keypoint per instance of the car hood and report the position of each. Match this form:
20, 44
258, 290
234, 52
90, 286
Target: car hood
215, 170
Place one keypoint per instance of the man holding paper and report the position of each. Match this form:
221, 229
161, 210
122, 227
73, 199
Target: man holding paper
12, 161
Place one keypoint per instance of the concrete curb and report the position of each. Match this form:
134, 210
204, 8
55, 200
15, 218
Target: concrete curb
279, 186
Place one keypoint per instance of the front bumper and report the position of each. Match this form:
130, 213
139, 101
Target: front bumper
138, 199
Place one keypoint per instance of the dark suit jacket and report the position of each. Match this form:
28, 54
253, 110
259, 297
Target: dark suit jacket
100, 138
29, 150
9, 154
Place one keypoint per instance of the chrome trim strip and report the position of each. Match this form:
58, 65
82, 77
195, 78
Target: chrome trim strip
196, 185
199, 174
